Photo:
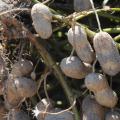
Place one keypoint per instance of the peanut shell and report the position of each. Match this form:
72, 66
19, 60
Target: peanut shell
96, 82
91, 116
78, 39
113, 115
15, 114
74, 68
80, 5
17, 89
106, 97
107, 53
90, 106
12, 99
21, 68
25, 87
42, 17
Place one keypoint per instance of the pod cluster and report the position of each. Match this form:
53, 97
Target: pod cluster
15, 87
79, 67
98, 84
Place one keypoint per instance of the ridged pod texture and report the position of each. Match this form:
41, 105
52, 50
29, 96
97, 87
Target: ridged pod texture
96, 82
80, 5
113, 115
42, 18
90, 106
17, 115
74, 68
78, 39
107, 53
106, 97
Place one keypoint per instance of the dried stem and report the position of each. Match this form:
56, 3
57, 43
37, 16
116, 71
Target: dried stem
97, 18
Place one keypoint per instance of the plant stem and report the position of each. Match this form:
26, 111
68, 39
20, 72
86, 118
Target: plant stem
35, 1
112, 30
83, 14
109, 16
56, 71
117, 38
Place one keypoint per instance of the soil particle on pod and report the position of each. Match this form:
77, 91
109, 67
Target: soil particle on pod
74, 68
107, 53
15, 114
42, 17
78, 39
96, 82
91, 106
106, 97
80, 5
21, 68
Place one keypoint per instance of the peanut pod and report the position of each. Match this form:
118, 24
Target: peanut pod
80, 5
91, 116
96, 82
74, 68
92, 109
107, 53
17, 89
15, 114
112, 115
106, 97
78, 39
42, 17
21, 68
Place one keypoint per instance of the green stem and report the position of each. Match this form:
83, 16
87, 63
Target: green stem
83, 14
35, 1
112, 30
117, 38
109, 16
